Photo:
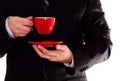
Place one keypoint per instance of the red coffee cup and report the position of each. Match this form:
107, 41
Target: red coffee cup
44, 25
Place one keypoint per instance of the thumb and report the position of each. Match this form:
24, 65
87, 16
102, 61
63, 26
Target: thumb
29, 18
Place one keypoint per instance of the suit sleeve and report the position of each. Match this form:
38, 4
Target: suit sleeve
97, 44
6, 42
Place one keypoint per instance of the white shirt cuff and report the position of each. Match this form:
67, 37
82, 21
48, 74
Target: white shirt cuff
70, 64
8, 29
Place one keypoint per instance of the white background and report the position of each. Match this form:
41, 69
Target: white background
110, 69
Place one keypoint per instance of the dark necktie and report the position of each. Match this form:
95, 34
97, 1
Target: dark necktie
46, 5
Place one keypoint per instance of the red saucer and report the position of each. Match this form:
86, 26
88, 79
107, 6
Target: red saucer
47, 43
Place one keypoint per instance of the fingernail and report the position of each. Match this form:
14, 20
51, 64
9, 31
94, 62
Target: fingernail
58, 46
39, 46
31, 28
34, 45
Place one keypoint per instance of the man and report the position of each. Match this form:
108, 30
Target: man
80, 25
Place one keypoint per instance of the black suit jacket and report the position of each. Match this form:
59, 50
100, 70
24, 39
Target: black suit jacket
80, 24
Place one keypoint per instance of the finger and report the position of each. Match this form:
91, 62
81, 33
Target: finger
30, 18
60, 47
51, 53
37, 49
23, 28
40, 53
25, 21
47, 54
44, 50
21, 31
21, 35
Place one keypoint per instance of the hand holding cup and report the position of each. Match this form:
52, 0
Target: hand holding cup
19, 26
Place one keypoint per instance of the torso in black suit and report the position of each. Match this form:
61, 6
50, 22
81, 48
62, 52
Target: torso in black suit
80, 24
